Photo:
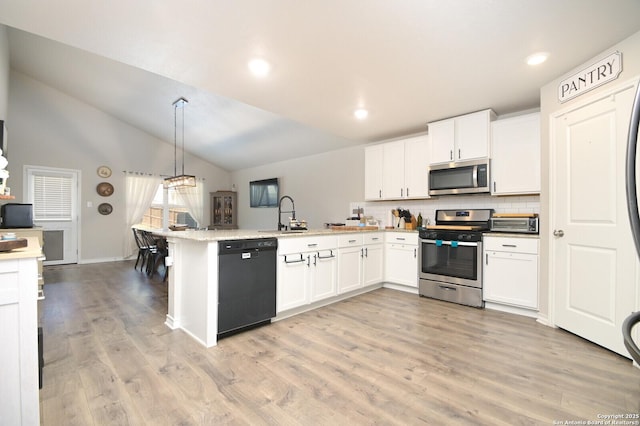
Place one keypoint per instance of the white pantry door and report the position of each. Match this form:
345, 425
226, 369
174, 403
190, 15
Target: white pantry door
593, 259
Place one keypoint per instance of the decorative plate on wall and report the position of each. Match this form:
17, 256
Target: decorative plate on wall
105, 208
104, 171
105, 189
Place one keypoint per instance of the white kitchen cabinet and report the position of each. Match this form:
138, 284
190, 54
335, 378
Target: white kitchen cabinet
349, 268
360, 261
442, 135
19, 402
372, 259
393, 170
397, 170
293, 281
323, 270
416, 167
510, 273
515, 155
373, 159
307, 268
461, 138
401, 258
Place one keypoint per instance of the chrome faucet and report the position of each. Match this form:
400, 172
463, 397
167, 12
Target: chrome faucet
293, 212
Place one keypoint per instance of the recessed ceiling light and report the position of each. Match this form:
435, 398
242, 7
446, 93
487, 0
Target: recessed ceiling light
259, 67
361, 113
537, 58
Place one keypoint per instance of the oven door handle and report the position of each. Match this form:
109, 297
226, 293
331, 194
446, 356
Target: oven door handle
448, 243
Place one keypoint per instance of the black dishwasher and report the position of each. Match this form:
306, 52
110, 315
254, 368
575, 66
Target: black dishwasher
247, 284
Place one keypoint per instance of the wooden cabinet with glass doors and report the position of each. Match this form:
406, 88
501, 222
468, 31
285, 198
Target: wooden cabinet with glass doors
223, 210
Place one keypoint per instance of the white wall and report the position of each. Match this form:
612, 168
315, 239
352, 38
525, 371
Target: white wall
4, 72
49, 128
321, 185
549, 104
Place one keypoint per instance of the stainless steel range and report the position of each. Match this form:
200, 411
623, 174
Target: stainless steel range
450, 256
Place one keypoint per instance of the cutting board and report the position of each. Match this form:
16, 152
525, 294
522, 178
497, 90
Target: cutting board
6, 245
354, 228
515, 215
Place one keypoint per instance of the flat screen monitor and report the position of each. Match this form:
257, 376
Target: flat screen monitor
263, 193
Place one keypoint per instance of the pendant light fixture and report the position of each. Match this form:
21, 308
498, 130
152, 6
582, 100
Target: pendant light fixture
178, 180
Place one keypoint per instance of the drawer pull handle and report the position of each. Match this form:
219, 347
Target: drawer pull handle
352, 241
294, 261
509, 245
326, 257
312, 245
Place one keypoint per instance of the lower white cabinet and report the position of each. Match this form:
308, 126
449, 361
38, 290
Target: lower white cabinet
19, 402
401, 258
306, 271
510, 271
293, 285
373, 259
360, 260
323, 279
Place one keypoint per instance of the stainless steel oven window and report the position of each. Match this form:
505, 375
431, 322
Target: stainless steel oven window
446, 262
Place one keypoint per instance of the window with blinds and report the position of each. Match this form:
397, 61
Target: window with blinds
52, 197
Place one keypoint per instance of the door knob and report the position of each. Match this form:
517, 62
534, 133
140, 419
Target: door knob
558, 233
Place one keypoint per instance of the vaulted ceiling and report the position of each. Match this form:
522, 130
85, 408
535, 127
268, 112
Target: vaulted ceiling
407, 62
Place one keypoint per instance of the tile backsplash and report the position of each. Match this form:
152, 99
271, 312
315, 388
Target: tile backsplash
381, 210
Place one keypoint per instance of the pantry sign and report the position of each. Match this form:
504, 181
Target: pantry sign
603, 71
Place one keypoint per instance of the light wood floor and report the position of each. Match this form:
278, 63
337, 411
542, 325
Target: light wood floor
385, 357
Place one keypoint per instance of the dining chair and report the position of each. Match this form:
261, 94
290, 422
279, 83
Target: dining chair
157, 252
143, 249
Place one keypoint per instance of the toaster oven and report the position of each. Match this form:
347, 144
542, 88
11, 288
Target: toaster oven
519, 225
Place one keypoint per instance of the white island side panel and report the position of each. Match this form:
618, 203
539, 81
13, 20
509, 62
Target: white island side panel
193, 289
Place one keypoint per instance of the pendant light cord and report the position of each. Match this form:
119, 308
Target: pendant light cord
175, 140
183, 139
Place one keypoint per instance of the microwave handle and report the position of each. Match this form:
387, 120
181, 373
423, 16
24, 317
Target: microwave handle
475, 176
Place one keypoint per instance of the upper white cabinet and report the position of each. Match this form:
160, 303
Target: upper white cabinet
461, 138
373, 159
397, 170
416, 167
515, 155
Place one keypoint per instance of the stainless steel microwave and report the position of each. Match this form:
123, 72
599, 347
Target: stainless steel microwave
468, 177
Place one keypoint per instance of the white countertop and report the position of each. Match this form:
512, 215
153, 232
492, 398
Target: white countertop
245, 234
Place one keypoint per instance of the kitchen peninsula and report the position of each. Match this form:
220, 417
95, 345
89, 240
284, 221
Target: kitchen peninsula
308, 271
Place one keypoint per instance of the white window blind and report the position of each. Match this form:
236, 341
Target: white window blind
52, 197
